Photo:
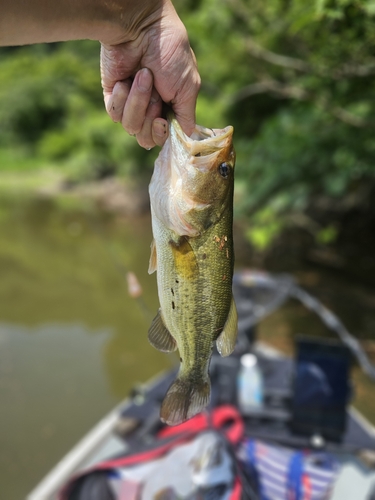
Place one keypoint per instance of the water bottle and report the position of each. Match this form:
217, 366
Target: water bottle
250, 384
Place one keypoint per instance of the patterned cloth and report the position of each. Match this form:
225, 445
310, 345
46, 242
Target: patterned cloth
285, 474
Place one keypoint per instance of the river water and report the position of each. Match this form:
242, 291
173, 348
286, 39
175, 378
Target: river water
72, 340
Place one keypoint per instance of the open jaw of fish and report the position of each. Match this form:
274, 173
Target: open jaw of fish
191, 194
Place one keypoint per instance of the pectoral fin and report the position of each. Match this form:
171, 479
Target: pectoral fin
159, 335
153, 260
227, 339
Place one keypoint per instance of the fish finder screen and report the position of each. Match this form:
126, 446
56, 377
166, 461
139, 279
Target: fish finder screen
321, 387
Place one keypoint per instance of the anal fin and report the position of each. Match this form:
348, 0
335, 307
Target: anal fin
226, 341
159, 335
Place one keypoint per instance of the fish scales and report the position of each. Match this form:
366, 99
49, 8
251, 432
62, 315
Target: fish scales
193, 305
194, 260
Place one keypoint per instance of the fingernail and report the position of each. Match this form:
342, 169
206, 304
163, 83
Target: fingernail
107, 102
111, 109
155, 97
144, 80
159, 129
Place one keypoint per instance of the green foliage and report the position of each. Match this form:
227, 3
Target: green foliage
327, 235
295, 78
51, 110
263, 229
301, 152
93, 148
37, 92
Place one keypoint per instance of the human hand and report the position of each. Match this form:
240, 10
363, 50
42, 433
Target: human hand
138, 74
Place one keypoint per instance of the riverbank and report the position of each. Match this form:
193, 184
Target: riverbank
111, 194
350, 252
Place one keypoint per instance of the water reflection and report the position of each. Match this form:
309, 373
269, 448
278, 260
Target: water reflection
72, 340
51, 385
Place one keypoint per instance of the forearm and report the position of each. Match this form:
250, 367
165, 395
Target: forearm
110, 21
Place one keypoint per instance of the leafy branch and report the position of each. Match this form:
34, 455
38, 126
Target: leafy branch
287, 91
347, 70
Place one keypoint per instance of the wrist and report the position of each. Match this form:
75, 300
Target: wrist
127, 21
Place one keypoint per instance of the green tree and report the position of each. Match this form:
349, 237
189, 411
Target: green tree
295, 78
52, 112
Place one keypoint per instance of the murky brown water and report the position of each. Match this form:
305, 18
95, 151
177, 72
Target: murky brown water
72, 341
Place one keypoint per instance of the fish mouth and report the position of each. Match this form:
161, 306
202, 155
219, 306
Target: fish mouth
203, 141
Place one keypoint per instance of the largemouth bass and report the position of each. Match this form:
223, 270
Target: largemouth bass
191, 194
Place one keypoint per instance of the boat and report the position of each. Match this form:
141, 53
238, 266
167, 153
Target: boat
345, 435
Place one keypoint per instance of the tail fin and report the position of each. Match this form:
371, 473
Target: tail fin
185, 398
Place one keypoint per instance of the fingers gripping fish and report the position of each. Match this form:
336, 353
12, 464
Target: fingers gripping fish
191, 193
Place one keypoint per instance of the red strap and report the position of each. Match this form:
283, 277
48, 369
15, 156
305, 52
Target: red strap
237, 490
223, 417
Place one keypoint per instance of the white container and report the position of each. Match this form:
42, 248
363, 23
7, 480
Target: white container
249, 384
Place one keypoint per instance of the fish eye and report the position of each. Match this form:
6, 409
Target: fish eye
224, 170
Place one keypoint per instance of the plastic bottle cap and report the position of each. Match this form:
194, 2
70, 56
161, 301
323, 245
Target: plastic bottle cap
248, 360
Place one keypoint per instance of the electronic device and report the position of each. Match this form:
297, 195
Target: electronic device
321, 387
